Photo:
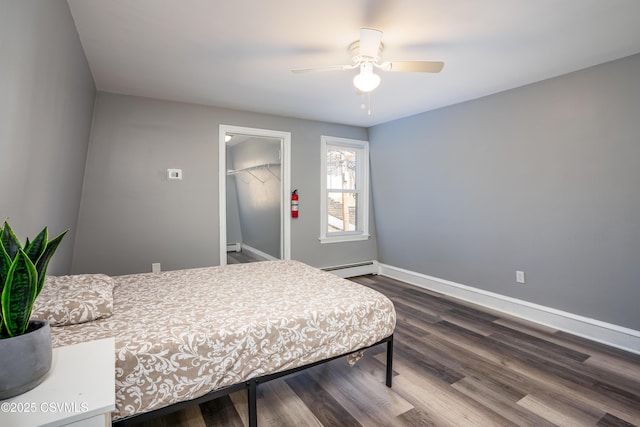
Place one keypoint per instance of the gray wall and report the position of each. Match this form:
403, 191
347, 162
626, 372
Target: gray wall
258, 195
131, 216
45, 119
542, 178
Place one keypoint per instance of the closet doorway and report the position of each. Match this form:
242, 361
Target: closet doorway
254, 194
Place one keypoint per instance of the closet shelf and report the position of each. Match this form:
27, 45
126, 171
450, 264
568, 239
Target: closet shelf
249, 170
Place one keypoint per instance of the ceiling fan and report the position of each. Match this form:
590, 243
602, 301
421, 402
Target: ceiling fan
366, 55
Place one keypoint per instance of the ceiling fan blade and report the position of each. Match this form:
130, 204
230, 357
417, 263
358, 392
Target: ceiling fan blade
414, 66
325, 68
370, 42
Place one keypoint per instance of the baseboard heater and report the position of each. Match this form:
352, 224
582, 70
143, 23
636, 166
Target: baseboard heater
355, 269
234, 247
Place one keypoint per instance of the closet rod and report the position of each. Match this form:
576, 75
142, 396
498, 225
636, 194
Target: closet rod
266, 166
250, 168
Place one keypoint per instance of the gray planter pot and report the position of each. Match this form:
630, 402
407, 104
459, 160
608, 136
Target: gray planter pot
25, 360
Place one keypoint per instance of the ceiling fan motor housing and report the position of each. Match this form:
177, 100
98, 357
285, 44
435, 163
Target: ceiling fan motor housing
357, 57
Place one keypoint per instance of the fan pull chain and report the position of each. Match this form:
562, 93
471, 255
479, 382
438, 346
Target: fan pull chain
362, 106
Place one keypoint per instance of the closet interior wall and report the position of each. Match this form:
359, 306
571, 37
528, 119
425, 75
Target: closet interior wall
253, 194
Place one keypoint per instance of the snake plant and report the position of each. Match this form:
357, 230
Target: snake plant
22, 273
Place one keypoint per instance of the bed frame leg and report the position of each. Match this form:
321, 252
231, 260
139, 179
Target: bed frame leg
389, 361
252, 405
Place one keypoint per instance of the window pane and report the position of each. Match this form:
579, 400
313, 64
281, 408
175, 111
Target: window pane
341, 206
341, 168
345, 192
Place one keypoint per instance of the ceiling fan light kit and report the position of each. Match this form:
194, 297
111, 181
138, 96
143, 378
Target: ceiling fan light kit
366, 54
367, 80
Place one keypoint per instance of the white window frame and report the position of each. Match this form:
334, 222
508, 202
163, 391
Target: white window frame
362, 189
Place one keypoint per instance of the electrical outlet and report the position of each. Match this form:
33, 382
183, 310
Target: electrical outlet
520, 276
155, 267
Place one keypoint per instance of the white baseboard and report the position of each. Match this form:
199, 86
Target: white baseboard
595, 330
257, 253
352, 270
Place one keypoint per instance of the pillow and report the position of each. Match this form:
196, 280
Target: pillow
79, 298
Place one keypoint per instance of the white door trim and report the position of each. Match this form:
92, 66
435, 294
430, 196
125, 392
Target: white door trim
285, 217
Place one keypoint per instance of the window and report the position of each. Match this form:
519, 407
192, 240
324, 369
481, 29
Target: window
345, 190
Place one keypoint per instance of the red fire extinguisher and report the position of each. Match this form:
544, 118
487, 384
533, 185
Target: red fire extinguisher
294, 204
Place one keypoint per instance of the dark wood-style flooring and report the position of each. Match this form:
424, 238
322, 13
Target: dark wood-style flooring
240, 257
455, 364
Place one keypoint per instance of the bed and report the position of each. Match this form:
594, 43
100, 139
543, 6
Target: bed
189, 335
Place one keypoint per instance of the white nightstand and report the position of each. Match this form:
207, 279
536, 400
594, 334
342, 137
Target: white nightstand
78, 391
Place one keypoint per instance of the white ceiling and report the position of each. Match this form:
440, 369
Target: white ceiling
238, 53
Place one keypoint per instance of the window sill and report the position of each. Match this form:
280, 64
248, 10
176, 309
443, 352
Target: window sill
343, 238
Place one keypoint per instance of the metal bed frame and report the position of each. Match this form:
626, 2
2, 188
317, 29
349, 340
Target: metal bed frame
251, 387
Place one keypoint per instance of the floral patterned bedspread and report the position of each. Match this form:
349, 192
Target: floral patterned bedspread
180, 334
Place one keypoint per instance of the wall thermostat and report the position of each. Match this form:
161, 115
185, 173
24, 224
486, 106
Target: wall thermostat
174, 173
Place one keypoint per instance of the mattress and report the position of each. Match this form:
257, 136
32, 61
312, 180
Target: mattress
180, 334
